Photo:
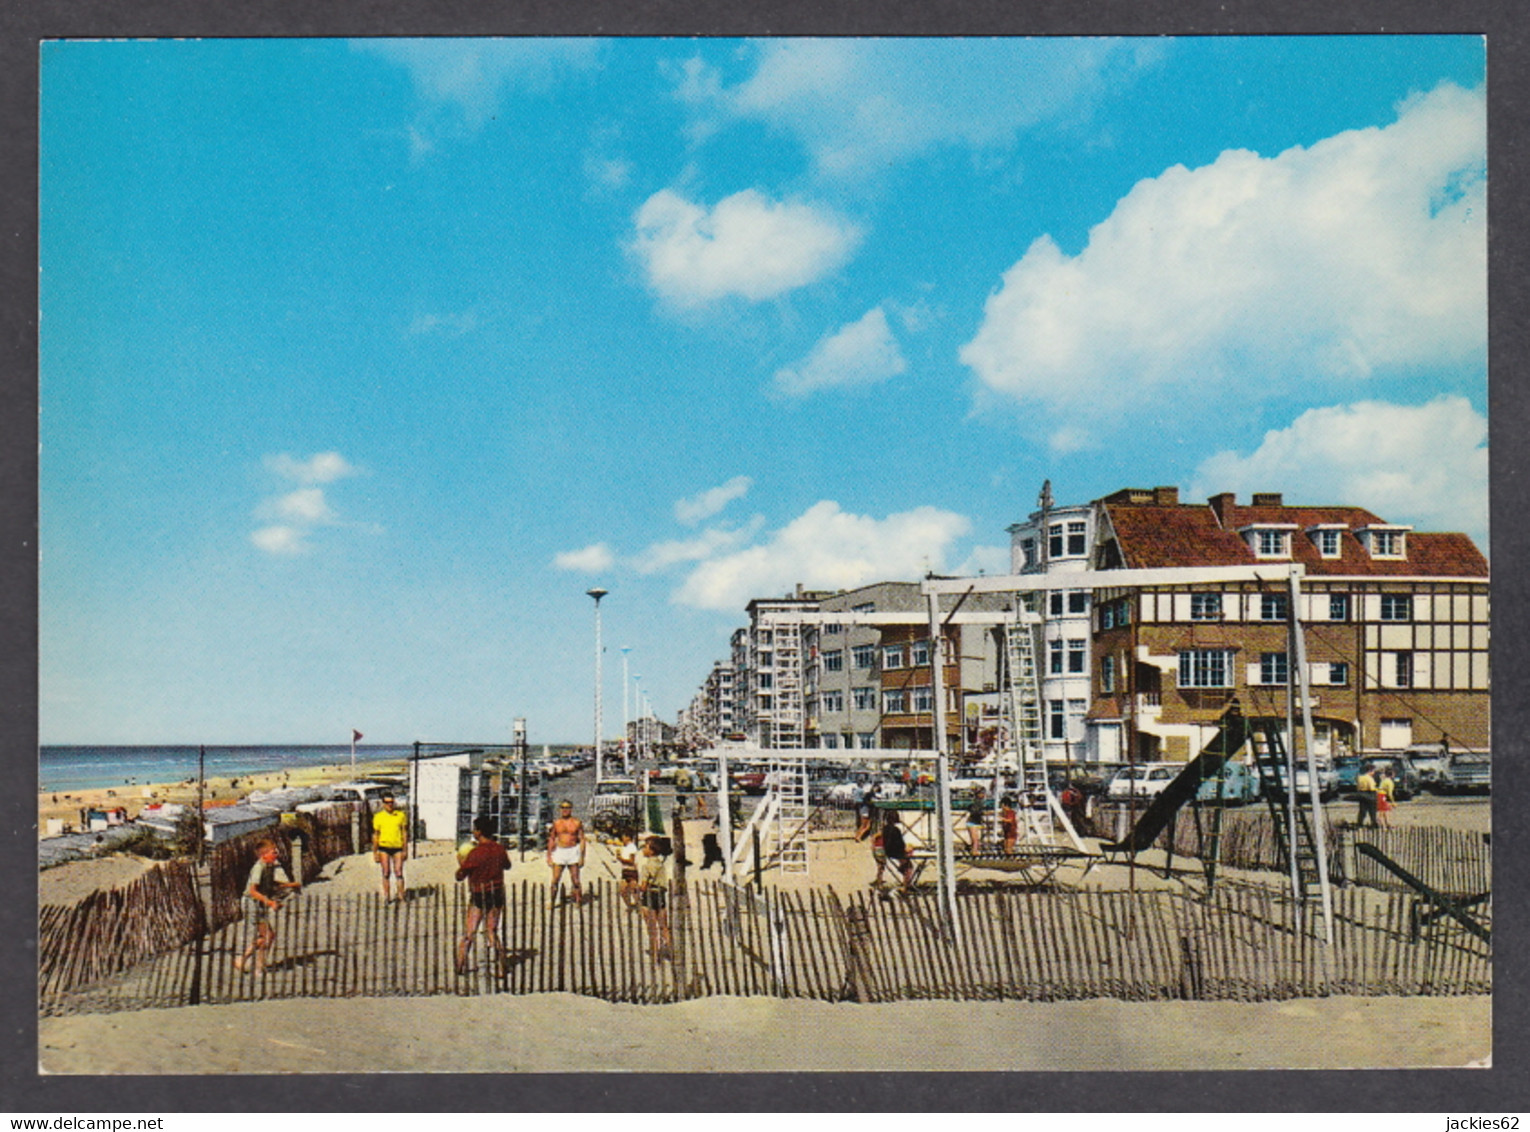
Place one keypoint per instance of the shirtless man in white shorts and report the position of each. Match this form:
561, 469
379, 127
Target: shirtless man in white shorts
565, 849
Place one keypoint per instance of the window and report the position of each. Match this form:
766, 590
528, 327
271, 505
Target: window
1273, 668
864, 699
834, 661
765, 680
1055, 540
1076, 711
894, 700
1396, 734
1107, 617
832, 630
1387, 544
1338, 674
1273, 607
868, 607
1272, 544
924, 698
1338, 607
921, 654
766, 658
1327, 543
892, 656
1055, 603
831, 701
1077, 533
1107, 674
1397, 607
1028, 551
1078, 601
1076, 656
1205, 607
1124, 612
1205, 668
830, 742
1403, 667
1055, 657
1057, 720
864, 656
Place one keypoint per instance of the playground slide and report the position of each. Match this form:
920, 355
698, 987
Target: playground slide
1183, 787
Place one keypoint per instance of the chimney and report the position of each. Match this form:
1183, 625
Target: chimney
1267, 499
1166, 496
1222, 504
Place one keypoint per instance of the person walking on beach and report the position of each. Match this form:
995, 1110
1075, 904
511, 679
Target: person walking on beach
1386, 797
1365, 786
390, 837
653, 886
1009, 824
975, 820
895, 851
565, 850
259, 903
711, 849
484, 869
627, 861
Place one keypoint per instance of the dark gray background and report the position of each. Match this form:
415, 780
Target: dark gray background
23, 23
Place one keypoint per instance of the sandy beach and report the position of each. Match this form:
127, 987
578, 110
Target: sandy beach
763, 1034
66, 805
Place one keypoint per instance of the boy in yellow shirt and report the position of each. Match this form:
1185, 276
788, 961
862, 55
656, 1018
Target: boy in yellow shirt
390, 838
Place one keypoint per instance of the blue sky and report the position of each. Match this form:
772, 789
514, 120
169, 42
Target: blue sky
362, 360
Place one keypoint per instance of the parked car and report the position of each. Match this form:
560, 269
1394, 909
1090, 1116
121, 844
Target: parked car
1235, 785
1347, 769
1404, 774
1274, 775
1430, 760
1145, 781
1468, 772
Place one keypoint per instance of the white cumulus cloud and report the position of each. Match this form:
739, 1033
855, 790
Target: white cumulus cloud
1365, 252
861, 104
745, 245
707, 544
473, 75
306, 505
708, 503
1426, 465
591, 559
326, 467
826, 548
862, 353
280, 540
297, 514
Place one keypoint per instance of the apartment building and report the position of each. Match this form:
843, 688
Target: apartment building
1058, 541
1396, 624
769, 674
869, 680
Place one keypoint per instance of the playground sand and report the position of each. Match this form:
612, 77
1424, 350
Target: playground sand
757, 1034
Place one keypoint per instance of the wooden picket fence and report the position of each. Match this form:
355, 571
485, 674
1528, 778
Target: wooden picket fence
1244, 943
1450, 861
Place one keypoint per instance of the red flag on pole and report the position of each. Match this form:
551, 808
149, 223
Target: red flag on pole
356, 736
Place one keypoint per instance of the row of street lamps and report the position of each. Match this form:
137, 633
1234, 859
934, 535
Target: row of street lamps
642, 704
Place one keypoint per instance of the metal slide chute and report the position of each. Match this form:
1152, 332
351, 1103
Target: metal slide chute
1208, 764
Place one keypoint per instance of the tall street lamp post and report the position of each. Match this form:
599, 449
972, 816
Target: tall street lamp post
597, 593
626, 738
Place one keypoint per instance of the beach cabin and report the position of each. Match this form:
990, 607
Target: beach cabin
445, 787
228, 822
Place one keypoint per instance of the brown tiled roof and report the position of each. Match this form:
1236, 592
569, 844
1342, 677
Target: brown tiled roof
1152, 536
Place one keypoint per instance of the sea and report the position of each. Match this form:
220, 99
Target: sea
89, 768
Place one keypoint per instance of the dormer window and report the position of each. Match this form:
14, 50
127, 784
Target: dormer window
1385, 541
1328, 539
1269, 540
